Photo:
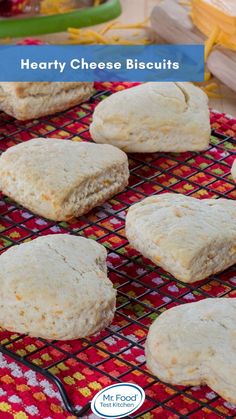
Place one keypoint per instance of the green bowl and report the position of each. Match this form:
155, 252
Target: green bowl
40, 25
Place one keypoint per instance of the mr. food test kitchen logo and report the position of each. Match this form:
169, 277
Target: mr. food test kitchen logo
118, 401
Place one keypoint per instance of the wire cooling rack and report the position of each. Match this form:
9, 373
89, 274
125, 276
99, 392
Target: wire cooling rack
81, 368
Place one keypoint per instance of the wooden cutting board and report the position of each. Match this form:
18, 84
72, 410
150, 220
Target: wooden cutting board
171, 21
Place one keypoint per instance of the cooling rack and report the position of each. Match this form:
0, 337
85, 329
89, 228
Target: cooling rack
79, 369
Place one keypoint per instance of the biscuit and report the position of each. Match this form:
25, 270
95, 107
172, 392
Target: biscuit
188, 237
194, 344
151, 117
62, 179
24, 100
56, 287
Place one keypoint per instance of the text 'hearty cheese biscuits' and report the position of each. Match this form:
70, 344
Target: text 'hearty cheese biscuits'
62, 179
188, 237
32, 100
195, 344
153, 117
56, 287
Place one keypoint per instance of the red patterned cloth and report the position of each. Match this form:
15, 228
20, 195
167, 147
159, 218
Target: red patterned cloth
142, 288
11, 7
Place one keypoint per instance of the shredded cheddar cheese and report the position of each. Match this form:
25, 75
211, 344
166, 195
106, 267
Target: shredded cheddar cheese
49, 7
217, 20
213, 95
207, 76
90, 36
5, 41
184, 3
211, 89
211, 41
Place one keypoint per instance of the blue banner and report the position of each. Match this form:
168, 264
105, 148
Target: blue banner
102, 63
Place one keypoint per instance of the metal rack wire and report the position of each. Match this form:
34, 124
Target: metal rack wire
144, 290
